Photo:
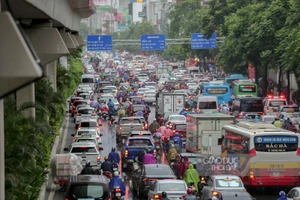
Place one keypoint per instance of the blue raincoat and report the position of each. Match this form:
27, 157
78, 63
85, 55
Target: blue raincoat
177, 138
114, 157
116, 181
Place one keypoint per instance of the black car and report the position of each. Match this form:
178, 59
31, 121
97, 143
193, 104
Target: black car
88, 187
146, 175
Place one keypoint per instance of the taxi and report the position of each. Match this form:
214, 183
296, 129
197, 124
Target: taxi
273, 103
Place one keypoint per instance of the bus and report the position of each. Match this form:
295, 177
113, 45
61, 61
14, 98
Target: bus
218, 89
234, 77
261, 154
243, 87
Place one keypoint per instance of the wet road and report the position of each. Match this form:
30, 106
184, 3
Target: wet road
109, 141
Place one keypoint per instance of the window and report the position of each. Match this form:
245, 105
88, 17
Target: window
172, 187
92, 191
228, 183
83, 149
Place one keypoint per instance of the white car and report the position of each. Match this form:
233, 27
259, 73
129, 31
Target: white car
175, 189
179, 119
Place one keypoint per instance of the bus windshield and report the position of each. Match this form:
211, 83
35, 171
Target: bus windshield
251, 105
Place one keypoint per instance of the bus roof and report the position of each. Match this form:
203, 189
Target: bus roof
249, 128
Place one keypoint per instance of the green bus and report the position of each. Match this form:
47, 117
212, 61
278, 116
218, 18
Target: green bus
243, 87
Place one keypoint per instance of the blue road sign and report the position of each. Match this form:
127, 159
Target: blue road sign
200, 42
99, 42
153, 42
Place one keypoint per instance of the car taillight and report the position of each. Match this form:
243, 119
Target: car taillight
156, 196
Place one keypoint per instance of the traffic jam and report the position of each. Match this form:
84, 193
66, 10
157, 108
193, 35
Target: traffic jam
177, 133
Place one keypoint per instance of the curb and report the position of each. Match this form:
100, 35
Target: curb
53, 152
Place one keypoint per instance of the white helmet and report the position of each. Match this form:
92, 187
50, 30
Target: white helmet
116, 173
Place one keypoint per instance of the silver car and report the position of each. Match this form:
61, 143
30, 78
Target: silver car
176, 189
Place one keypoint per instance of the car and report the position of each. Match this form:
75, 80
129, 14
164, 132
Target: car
221, 183
142, 91
146, 175
150, 97
85, 112
71, 101
76, 103
177, 119
88, 151
294, 194
89, 123
88, 138
91, 186
175, 189
140, 134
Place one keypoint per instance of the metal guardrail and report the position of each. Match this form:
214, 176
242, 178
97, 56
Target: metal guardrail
168, 41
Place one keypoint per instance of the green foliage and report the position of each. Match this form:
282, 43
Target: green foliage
28, 141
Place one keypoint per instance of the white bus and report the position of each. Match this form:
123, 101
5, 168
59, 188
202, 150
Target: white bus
266, 156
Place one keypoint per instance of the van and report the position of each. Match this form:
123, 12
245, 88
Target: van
207, 104
91, 186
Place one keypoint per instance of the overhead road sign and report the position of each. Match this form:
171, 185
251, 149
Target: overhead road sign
200, 42
99, 42
153, 42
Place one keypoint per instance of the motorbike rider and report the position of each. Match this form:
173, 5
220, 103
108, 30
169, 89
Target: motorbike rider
183, 166
88, 169
191, 176
178, 139
116, 181
106, 166
113, 156
183, 112
282, 196
149, 158
164, 196
153, 126
172, 153
190, 195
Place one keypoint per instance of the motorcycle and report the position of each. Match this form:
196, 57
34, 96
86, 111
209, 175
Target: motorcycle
116, 194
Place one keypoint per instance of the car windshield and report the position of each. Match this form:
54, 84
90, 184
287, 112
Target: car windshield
83, 149
229, 182
86, 111
177, 118
172, 187
139, 143
130, 121
85, 191
88, 124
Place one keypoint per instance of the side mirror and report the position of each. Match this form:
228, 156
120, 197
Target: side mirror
66, 149
73, 135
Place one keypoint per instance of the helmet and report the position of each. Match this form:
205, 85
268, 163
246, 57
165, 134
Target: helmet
105, 158
190, 191
282, 193
164, 195
116, 173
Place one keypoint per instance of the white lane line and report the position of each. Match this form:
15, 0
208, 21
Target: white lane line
65, 132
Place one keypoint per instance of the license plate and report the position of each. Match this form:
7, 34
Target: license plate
115, 169
118, 194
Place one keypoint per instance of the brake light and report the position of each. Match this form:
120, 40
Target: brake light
156, 196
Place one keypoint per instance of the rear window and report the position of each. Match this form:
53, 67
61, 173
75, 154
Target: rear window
88, 124
172, 187
139, 143
208, 105
130, 121
85, 191
87, 80
159, 171
84, 150
86, 111
229, 183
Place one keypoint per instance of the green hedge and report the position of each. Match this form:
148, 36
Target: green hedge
28, 142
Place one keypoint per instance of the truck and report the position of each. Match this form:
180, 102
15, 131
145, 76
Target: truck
169, 103
204, 132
